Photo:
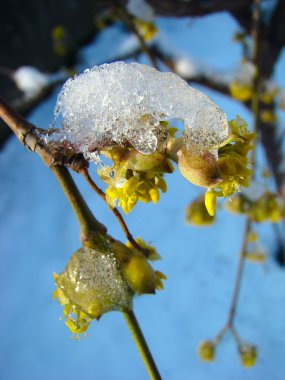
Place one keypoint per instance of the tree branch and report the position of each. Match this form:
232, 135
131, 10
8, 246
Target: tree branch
28, 134
195, 7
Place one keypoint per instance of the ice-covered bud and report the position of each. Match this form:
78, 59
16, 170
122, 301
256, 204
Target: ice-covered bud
124, 104
248, 355
91, 285
206, 350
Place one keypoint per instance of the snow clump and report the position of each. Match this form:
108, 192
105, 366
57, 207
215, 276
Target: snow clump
122, 103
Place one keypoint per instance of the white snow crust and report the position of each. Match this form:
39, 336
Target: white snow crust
118, 102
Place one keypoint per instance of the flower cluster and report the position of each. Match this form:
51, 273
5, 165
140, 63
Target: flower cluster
233, 159
140, 186
232, 164
134, 177
268, 207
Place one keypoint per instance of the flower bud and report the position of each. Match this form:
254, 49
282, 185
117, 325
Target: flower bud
199, 168
137, 271
155, 162
206, 350
248, 355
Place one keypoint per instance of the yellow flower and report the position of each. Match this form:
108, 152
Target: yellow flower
206, 350
197, 214
241, 91
268, 117
269, 93
140, 186
233, 159
146, 29
269, 207
210, 201
256, 256
134, 177
248, 355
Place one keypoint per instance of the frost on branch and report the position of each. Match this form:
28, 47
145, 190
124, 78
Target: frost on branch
121, 103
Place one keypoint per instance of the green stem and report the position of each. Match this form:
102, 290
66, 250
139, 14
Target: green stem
141, 345
88, 224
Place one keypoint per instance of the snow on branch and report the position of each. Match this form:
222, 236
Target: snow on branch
120, 102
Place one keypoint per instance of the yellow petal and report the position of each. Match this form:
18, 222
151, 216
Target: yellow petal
130, 186
210, 202
154, 194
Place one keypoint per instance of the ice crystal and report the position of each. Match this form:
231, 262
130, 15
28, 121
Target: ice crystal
120, 102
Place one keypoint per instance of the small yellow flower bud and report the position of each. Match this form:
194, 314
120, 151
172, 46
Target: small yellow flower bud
248, 355
140, 275
241, 91
137, 271
256, 256
206, 350
154, 194
210, 201
155, 162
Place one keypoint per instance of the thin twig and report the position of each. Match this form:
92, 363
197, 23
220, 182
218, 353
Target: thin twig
255, 104
255, 111
141, 345
239, 274
115, 211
